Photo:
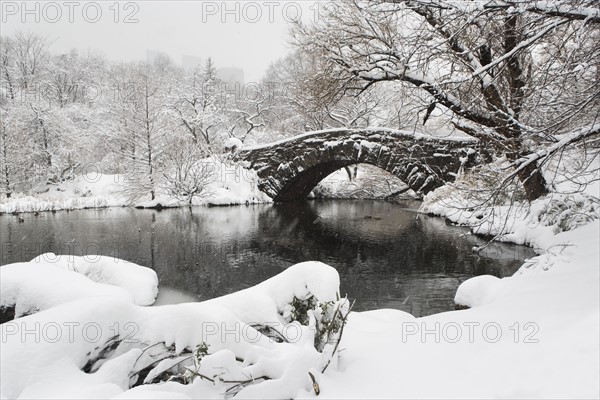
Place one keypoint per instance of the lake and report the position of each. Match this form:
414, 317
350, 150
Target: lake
387, 255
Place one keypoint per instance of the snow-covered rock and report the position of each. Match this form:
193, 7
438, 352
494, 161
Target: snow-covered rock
140, 282
50, 280
232, 145
476, 291
33, 287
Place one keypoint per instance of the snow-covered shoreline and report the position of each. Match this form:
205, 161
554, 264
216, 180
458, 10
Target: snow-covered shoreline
531, 330
232, 185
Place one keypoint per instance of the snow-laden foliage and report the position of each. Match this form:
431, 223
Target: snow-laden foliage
567, 212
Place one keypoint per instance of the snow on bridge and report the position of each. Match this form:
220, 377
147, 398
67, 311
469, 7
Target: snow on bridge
289, 169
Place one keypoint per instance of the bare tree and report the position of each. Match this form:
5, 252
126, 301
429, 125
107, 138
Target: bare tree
307, 94
30, 52
141, 113
251, 112
483, 64
8, 82
185, 175
198, 104
5, 165
71, 78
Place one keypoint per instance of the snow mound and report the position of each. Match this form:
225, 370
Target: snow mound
476, 291
33, 287
300, 280
50, 280
140, 282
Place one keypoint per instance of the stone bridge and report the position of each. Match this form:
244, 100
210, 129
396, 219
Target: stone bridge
289, 170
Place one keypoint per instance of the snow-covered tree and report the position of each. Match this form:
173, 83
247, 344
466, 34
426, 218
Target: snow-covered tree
485, 64
74, 79
198, 103
307, 95
140, 110
248, 111
30, 53
185, 175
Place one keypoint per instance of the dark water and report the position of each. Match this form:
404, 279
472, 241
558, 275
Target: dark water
388, 256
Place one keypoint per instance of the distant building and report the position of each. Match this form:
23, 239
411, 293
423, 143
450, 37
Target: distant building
190, 63
231, 75
153, 55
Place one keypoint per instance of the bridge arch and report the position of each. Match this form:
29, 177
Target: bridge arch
290, 169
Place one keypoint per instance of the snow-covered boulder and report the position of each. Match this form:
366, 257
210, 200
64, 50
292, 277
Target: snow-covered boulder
50, 280
30, 287
140, 282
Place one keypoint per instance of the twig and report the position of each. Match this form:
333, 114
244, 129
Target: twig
339, 337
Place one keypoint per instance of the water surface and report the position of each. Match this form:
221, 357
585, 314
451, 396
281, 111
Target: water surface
387, 255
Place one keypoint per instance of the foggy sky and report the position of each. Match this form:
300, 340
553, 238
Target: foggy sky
196, 28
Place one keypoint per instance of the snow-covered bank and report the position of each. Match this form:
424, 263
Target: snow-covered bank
32, 287
533, 335
232, 184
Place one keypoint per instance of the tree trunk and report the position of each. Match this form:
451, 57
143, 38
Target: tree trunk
5, 165
533, 182
349, 173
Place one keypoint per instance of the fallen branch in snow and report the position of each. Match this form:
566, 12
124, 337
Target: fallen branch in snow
160, 362
109, 347
270, 332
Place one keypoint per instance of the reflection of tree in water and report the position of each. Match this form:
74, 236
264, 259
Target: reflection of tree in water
199, 255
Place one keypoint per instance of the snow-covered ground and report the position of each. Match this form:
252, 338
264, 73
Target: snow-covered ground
232, 185
96, 345
368, 182
533, 335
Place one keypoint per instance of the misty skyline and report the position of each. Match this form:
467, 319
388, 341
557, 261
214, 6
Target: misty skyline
247, 35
